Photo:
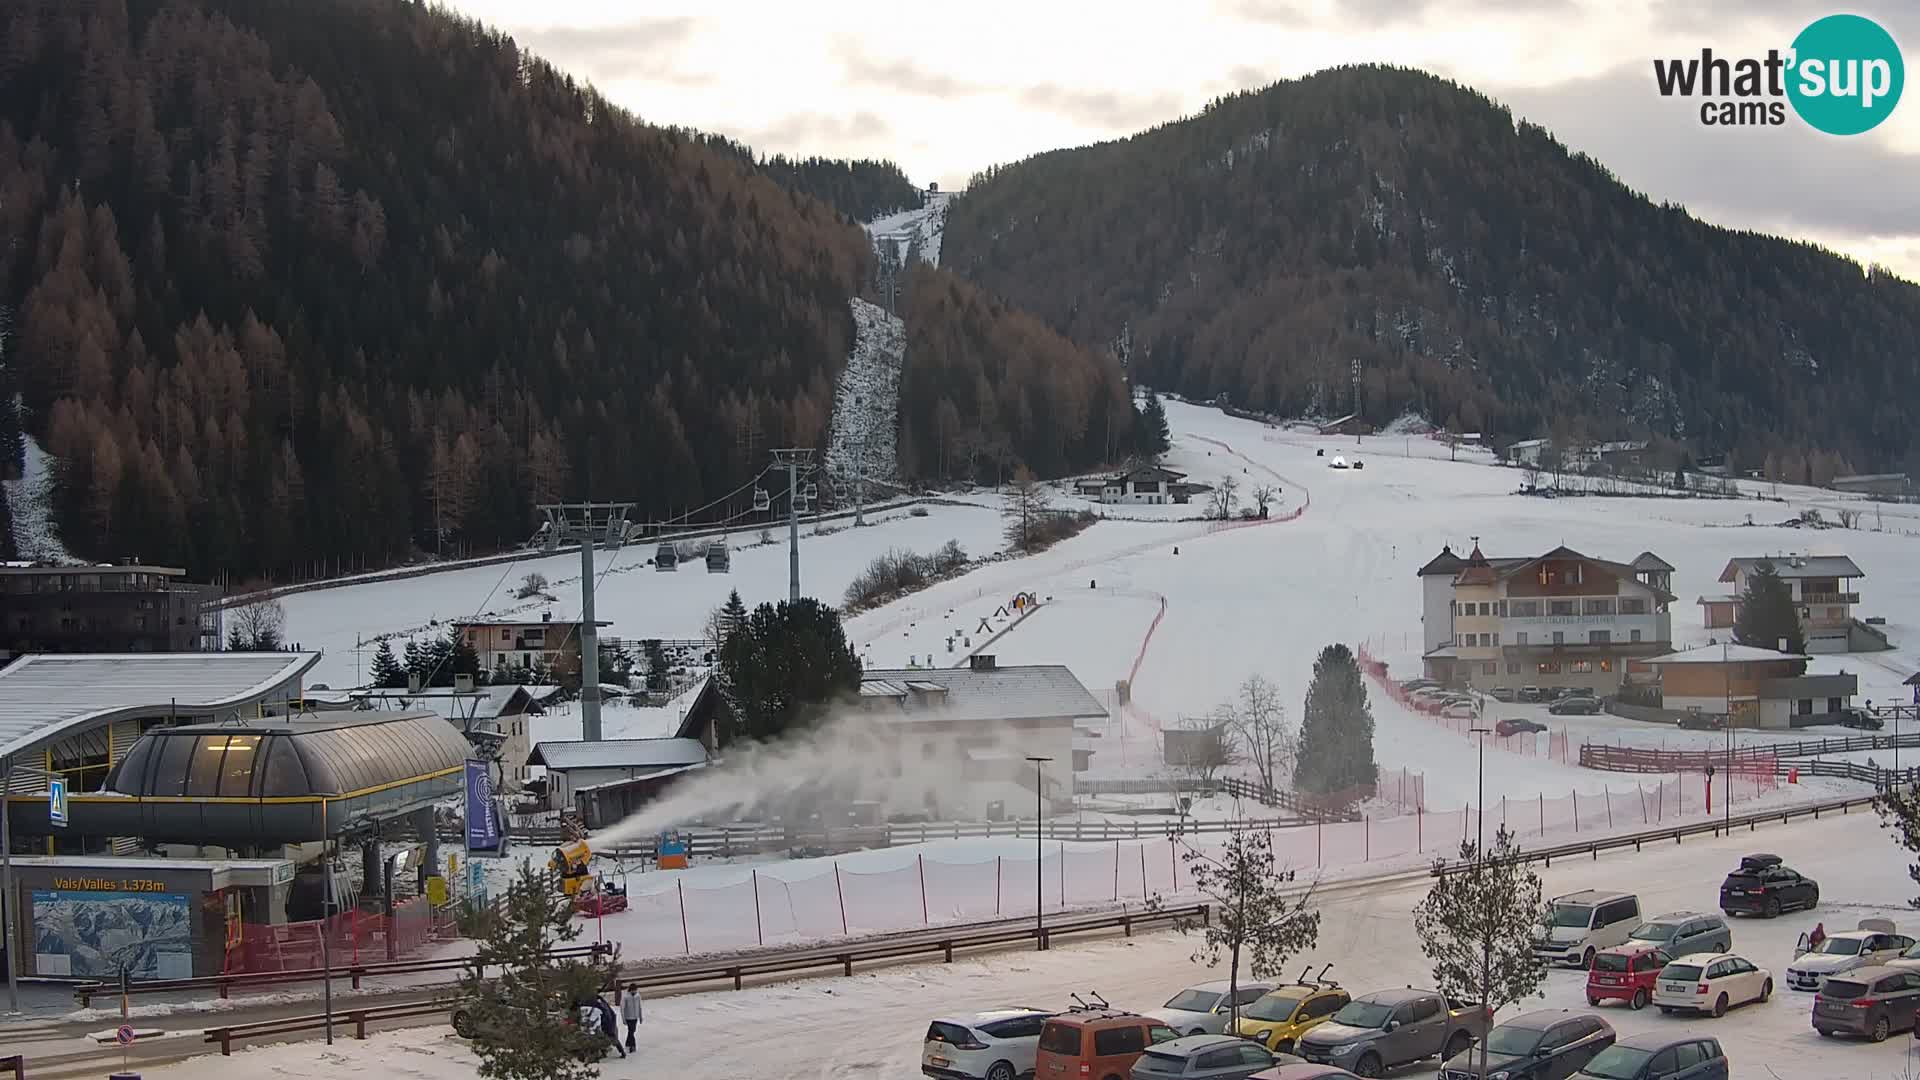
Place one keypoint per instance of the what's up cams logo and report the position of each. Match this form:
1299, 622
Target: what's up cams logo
1843, 75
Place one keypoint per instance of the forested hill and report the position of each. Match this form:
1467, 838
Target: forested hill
1478, 272
861, 189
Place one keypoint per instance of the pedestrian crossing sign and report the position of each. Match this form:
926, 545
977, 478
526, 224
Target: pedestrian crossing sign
57, 801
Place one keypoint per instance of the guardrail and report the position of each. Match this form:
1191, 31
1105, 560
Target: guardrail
86, 992
357, 1019
1601, 755
1675, 833
843, 957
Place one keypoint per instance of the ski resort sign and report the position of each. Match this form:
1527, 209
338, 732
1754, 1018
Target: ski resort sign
1842, 75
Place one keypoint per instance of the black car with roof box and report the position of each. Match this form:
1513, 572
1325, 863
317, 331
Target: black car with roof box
1765, 886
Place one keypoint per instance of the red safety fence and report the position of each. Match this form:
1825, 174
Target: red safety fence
353, 937
1558, 746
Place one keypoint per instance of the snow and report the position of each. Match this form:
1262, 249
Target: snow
924, 227
1367, 934
866, 403
30, 499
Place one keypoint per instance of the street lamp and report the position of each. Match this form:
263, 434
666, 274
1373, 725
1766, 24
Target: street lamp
1480, 800
1039, 856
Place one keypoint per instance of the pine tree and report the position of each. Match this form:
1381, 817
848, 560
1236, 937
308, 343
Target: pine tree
1336, 727
1154, 437
525, 1018
416, 661
733, 615
387, 673
1476, 924
458, 658
1767, 615
784, 665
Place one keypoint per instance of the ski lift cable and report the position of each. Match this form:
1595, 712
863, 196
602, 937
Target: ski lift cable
756, 478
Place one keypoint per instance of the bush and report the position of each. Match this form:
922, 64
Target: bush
532, 585
898, 573
1054, 528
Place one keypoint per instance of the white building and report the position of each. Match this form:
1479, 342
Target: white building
1823, 593
1145, 484
572, 766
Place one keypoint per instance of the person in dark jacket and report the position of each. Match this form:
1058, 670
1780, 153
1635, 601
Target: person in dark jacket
609, 1026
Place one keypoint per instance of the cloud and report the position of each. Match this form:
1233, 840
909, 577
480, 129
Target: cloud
1790, 175
1101, 108
1363, 15
828, 134
900, 75
642, 48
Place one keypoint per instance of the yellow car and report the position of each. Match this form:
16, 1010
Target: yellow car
1279, 1018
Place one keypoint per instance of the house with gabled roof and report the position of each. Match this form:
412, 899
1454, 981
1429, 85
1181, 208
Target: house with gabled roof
1822, 587
1558, 619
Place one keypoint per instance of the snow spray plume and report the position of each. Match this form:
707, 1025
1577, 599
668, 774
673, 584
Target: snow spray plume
851, 757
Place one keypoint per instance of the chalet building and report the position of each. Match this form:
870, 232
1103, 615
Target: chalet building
1562, 619
111, 608
1146, 484
1823, 593
549, 642
1751, 687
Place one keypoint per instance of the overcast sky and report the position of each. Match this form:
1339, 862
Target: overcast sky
948, 89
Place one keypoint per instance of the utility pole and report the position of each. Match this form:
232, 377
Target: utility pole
586, 522
797, 461
7, 895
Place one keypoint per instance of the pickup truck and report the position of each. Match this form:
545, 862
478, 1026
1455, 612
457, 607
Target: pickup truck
1389, 1028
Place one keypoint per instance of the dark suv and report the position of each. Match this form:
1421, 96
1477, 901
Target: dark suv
1764, 886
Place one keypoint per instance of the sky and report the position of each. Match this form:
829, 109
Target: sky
947, 90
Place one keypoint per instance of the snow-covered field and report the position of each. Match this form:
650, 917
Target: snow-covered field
869, 1027
30, 500
914, 230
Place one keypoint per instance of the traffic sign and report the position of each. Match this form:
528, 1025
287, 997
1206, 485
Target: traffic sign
57, 801
124, 1036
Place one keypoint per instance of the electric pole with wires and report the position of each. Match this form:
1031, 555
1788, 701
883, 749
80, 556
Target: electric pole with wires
588, 523
798, 462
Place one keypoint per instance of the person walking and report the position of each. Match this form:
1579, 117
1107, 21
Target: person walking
608, 1026
630, 1012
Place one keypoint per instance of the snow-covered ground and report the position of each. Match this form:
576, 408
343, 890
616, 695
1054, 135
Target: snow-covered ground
866, 403
30, 500
911, 231
877, 1019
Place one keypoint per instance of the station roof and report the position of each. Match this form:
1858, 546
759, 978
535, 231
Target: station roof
49, 696
1023, 692
619, 754
332, 754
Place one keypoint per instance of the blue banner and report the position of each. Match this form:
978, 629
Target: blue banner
483, 816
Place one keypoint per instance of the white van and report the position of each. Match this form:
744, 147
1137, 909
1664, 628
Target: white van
1581, 924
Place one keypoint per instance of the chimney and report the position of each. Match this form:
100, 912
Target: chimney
546, 616
982, 662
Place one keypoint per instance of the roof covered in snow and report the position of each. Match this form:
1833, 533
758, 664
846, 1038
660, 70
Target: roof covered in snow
484, 703
1717, 654
1795, 566
45, 697
1025, 692
618, 754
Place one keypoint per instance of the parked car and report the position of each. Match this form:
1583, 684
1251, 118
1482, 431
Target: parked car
1659, 1057
1711, 983
1518, 725
1528, 693
1389, 1028
1504, 694
1909, 960
1285, 1013
1845, 951
1683, 932
1699, 721
1625, 973
1099, 1043
1578, 925
1870, 1001
1411, 685
1203, 1009
999, 1044
1206, 1057
1854, 717
1578, 691
1765, 886
1546, 1045
1576, 705
1459, 710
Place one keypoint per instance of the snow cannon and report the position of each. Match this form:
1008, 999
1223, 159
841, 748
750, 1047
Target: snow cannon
570, 862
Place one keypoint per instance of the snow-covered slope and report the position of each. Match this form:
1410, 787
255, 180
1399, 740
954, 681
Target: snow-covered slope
30, 499
913, 232
866, 404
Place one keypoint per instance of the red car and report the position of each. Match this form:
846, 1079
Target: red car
1625, 973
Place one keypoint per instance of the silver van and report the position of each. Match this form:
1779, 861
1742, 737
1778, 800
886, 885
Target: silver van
1578, 925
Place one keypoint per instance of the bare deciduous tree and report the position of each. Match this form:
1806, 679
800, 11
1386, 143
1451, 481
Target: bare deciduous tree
1199, 749
1027, 505
1258, 720
1263, 497
1225, 495
257, 627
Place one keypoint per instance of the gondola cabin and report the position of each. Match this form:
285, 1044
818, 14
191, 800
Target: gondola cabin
719, 558
666, 557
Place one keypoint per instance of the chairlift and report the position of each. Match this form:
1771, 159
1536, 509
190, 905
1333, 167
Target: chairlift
810, 492
762, 500
666, 556
719, 557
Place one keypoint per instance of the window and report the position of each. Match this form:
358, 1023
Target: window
1559, 637
1523, 609
1486, 609
1486, 640
506, 634
1598, 606
1248, 996
1581, 667
1833, 704
1514, 669
1020, 1027
1549, 667
236, 775
1324, 1006
1224, 1058
1255, 1056
1496, 640
1560, 607
1131, 1039
1490, 669
1520, 638
203, 772
1664, 1063
1687, 1055
1633, 605
1599, 637
1606, 665
1060, 1039
1633, 635
1803, 706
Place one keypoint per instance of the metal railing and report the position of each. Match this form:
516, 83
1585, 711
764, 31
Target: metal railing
1675, 833
357, 1019
1648, 759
